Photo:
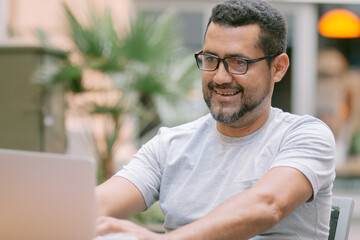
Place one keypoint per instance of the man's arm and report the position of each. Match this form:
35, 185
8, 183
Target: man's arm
118, 197
280, 191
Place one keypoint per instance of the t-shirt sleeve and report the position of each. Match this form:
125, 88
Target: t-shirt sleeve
144, 171
310, 148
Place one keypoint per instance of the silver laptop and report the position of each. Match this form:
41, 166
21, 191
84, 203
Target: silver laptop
46, 196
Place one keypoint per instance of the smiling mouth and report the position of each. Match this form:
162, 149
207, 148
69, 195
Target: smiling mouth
226, 92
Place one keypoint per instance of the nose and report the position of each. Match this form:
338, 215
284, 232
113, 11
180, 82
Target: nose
221, 74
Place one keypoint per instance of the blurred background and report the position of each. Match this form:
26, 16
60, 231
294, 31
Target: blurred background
99, 78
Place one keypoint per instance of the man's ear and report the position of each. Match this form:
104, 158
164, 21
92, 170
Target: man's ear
279, 66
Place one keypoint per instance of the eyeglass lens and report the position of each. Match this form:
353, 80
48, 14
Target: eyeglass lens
208, 62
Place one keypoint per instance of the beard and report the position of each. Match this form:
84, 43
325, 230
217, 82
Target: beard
228, 113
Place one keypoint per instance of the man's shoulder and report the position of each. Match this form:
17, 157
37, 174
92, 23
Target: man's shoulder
201, 122
294, 119
300, 123
179, 135
186, 130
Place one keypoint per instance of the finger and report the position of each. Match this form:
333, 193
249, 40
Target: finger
109, 225
102, 219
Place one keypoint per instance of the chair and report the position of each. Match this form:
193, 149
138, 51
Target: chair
340, 221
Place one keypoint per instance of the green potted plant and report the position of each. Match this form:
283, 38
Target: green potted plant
144, 63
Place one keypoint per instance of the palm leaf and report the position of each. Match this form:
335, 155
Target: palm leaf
151, 40
98, 42
71, 76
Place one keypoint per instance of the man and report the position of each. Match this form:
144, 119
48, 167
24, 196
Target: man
247, 170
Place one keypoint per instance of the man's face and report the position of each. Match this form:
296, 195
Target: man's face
228, 96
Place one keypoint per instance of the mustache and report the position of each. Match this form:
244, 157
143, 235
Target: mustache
237, 88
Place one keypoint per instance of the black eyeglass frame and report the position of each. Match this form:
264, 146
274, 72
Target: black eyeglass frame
219, 59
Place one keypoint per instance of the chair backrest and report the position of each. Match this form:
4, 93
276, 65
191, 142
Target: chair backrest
341, 213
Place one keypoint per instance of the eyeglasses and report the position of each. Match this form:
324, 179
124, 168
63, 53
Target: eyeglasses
233, 65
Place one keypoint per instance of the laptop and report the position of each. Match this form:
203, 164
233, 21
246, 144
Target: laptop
46, 196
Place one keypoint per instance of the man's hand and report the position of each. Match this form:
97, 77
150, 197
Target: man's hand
106, 225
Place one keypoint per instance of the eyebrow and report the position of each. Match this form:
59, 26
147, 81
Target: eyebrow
227, 55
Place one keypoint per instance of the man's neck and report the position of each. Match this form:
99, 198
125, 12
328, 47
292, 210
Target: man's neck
246, 128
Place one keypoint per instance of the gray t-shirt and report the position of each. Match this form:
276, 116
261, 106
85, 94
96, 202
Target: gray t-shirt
191, 169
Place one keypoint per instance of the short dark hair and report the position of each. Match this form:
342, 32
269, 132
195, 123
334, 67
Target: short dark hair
273, 29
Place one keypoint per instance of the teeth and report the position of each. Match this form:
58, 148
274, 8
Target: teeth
225, 93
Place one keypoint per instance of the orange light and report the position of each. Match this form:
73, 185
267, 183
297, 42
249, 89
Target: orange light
339, 23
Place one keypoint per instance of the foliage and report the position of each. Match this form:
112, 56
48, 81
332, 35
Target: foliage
153, 216
98, 43
144, 61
